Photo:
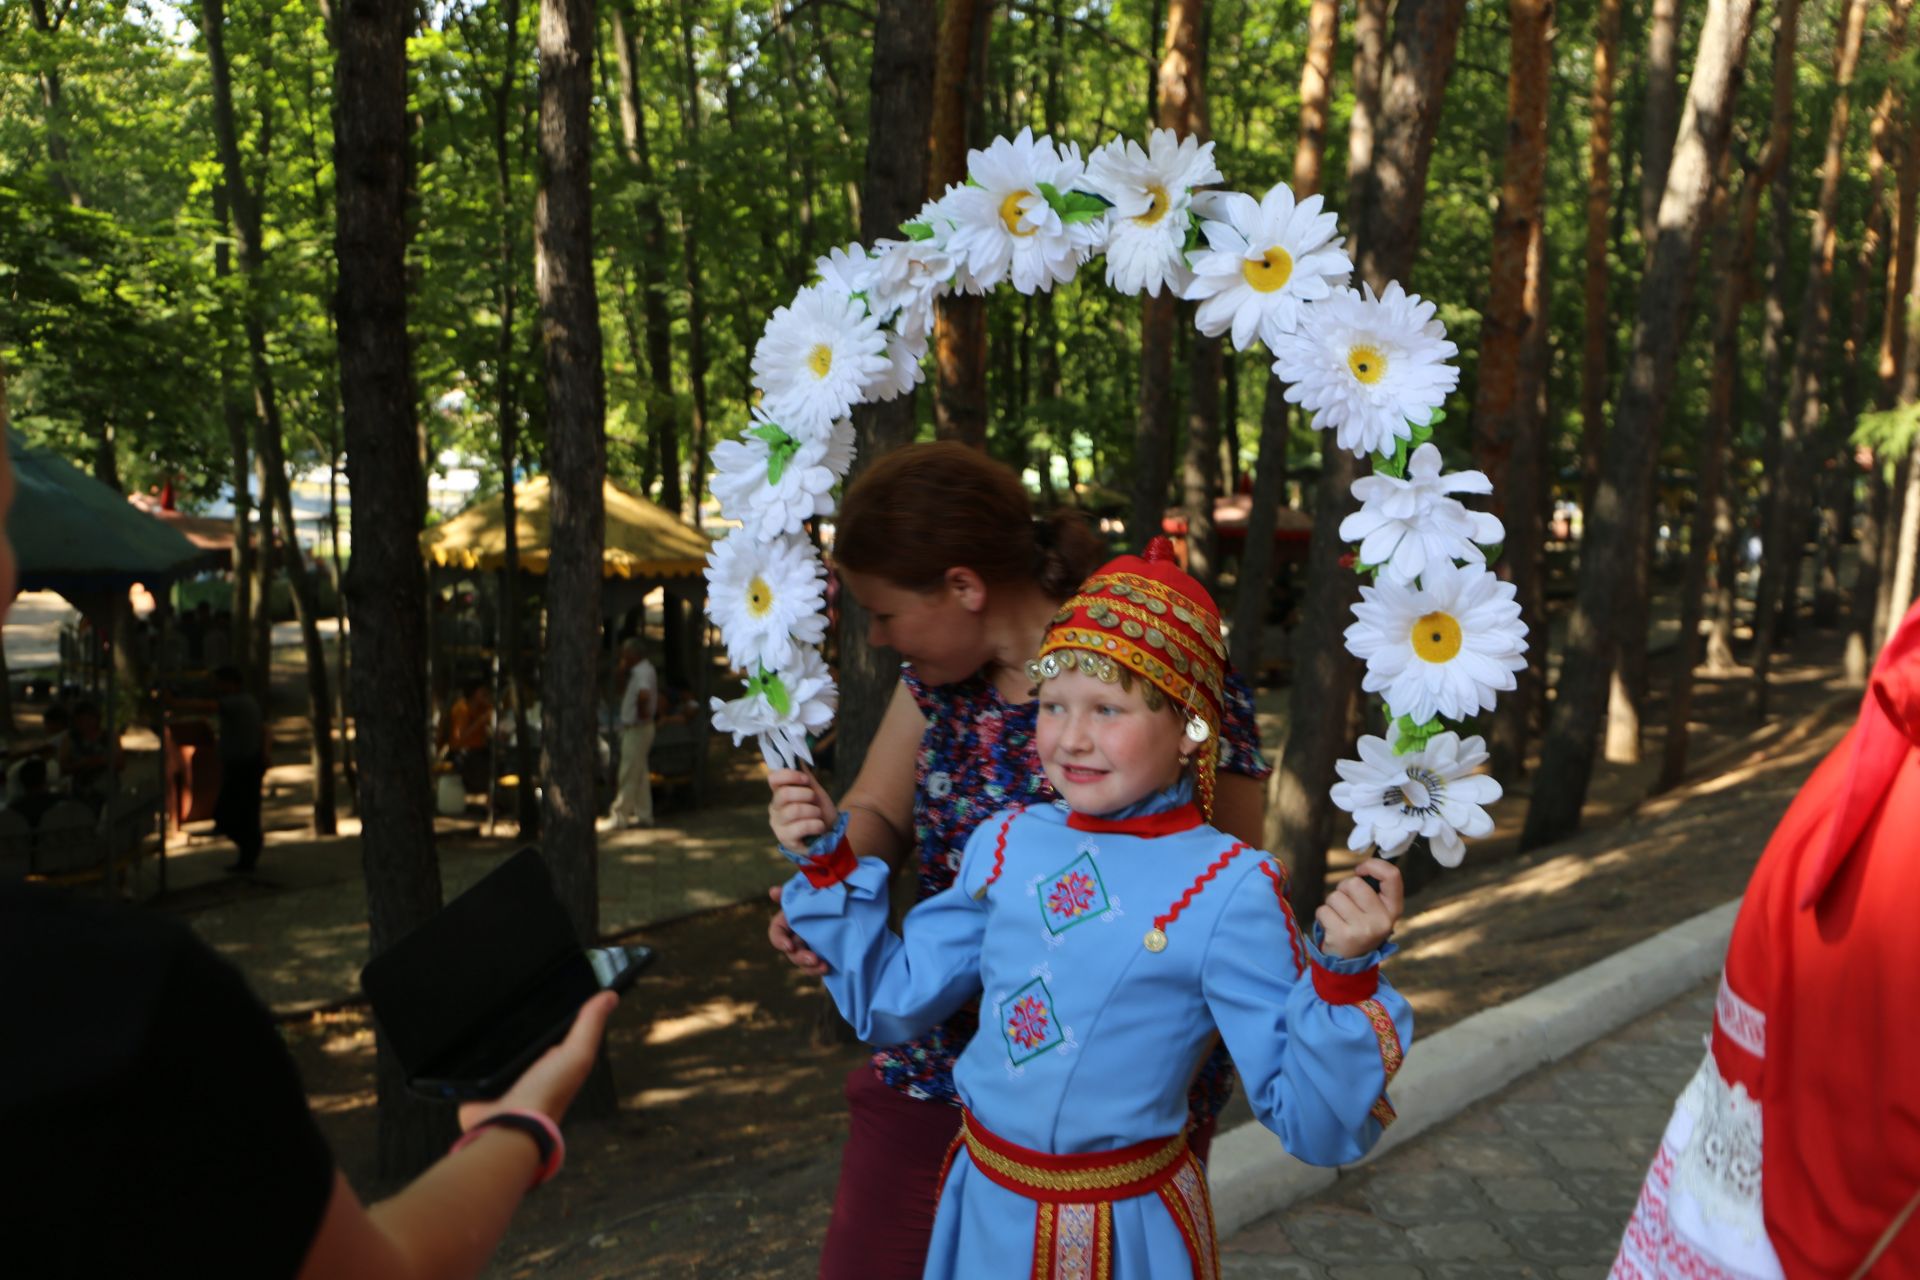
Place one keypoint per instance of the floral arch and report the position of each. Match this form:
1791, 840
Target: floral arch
1440, 634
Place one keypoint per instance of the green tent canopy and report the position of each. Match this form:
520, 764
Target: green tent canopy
74, 535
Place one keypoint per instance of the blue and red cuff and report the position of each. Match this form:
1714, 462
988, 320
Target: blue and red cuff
829, 857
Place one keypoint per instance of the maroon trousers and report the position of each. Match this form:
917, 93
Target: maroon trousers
889, 1180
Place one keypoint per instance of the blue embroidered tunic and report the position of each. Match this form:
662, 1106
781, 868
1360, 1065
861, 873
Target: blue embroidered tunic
977, 758
1089, 1039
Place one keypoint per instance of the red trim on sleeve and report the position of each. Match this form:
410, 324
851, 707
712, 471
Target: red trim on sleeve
1345, 988
830, 869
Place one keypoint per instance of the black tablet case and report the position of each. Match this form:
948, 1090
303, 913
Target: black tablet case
471, 989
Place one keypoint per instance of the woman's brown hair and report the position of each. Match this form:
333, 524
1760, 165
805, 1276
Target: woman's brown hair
927, 508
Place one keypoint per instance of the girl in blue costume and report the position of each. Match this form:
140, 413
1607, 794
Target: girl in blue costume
1111, 939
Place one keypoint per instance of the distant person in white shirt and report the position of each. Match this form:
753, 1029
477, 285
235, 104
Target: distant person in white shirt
633, 803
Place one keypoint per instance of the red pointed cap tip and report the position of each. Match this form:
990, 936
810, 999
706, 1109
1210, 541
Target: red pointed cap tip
1159, 551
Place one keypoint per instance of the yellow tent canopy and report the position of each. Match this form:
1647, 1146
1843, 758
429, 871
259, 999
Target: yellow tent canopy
642, 541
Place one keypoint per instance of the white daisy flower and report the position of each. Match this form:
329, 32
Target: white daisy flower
773, 483
1402, 526
1444, 647
1433, 792
1368, 367
1264, 260
815, 357
1003, 223
767, 596
846, 271
902, 372
782, 707
906, 277
1151, 193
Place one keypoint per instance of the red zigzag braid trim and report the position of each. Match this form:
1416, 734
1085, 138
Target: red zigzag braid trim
1167, 917
1000, 851
1279, 878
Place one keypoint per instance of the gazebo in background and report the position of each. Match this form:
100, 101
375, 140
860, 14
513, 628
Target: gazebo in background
645, 547
73, 535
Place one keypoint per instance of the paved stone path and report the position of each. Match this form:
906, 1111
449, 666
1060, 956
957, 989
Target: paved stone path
1535, 1181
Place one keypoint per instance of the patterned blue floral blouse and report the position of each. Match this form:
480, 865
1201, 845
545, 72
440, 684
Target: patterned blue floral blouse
976, 758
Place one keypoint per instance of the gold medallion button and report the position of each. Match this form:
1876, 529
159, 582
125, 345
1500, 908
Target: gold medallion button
1156, 941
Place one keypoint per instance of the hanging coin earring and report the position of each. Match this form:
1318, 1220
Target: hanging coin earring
1197, 730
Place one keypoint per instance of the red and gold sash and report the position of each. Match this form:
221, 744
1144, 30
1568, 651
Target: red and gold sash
1073, 1229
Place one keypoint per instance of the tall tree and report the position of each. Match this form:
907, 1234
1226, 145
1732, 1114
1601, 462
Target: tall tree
1386, 195
1255, 588
1180, 106
386, 591
899, 115
576, 458
1505, 423
960, 328
1712, 526
1200, 466
244, 200
1803, 411
1627, 694
1566, 766
697, 359
1597, 319
1890, 369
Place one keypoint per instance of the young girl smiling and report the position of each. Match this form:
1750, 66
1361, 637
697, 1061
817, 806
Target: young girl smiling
1111, 940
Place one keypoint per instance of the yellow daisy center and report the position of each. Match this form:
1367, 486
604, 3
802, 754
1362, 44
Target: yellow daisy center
1157, 209
1436, 637
759, 597
1367, 362
820, 360
1010, 213
1269, 273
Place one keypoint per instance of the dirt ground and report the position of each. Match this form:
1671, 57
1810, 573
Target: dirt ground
723, 1157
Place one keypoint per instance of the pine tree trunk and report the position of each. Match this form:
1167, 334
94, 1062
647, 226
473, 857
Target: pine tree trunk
1804, 409
507, 423
1386, 192
1505, 399
1890, 369
576, 450
240, 624
1566, 767
899, 114
1254, 591
663, 427
1627, 695
697, 361
1713, 531
246, 207
1597, 323
1183, 108
386, 588
960, 326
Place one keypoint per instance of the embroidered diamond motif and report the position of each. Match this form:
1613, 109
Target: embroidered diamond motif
1072, 895
1028, 1020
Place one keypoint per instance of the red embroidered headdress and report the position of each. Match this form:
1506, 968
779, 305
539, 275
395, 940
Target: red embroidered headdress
1147, 616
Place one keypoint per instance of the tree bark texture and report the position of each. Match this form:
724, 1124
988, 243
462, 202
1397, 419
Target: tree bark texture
697, 359
1504, 425
1890, 369
1713, 530
507, 423
663, 425
1254, 592
386, 588
1180, 106
1803, 410
245, 203
1597, 323
899, 115
1657, 117
576, 455
1384, 203
960, 325
1566, 766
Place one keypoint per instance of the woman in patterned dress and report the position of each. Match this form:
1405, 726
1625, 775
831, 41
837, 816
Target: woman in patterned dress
930, 541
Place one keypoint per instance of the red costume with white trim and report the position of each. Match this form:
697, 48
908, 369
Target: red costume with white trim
1796, 1150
